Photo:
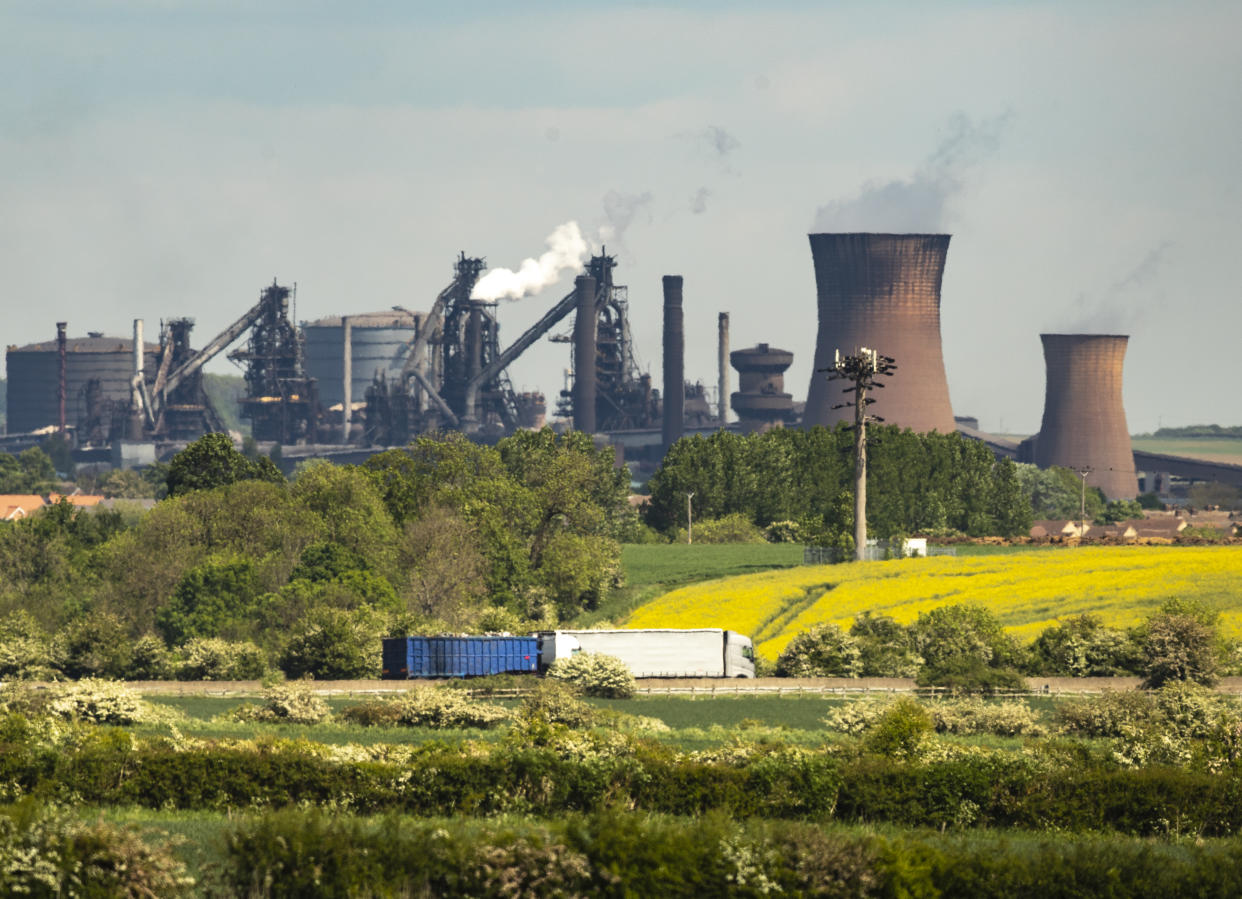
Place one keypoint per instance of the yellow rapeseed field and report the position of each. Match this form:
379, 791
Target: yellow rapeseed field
1028, 591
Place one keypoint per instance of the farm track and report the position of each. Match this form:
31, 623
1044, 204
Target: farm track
705, 687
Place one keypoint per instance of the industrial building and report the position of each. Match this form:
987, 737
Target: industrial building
347, 383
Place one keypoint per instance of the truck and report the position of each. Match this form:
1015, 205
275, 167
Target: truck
658, 652
409, 657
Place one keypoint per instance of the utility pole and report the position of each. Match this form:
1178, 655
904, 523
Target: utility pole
689, 519
1082, 509
862, 369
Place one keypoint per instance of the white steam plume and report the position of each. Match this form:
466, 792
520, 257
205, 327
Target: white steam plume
567, 248
917, 204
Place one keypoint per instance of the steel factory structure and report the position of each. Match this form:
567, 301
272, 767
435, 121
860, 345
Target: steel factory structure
377, 379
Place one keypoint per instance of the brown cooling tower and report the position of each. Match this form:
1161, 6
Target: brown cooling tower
1084, 423
584, 355
674, 362
882, 291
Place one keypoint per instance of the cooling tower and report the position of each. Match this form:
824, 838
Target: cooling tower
882, 291
674, 362
1084, 423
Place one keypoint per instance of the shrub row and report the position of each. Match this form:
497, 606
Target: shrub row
611, 853
552, 771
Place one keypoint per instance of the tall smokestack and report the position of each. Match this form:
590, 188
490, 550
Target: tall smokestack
62, 366
347, 376
584, 355
674, 362
1084, 424
882, 291
135, 385
722, 363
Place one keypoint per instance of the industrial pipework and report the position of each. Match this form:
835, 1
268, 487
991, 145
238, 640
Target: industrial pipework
1084, 423
883, 290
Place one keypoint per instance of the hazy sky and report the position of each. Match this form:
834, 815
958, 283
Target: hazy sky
161, 158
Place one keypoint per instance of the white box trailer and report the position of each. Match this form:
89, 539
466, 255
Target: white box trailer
658, 652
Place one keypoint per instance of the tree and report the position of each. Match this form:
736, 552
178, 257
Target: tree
213, 599
335, 644
344, 497
1180, 643
445, 573
823, 650
212, 461
964, 647
1081, 646
884, 647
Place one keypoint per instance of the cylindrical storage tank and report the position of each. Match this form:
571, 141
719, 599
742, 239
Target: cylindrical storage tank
1084, 424
584, 355
379, 343
33, 381
761, 402
674, 362
882, 291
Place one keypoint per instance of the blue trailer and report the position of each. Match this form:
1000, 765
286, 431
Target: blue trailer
409, 657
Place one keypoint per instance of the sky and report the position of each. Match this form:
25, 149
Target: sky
165, 158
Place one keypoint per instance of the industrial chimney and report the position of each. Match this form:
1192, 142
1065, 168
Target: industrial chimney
584, 355
722, 365
882, 291
674, 362
1084, 424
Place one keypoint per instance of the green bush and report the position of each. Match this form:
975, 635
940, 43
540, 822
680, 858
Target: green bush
974, 716
1111, 714
969, 675
294, 702
149, 659
89, 700
46, 852
823, 650
335, 644
733, 528
1081, 646
556, 702
441, 708
596, 674
27, 652
214, 660
901, 731
858, 716
884, 647
1179, 646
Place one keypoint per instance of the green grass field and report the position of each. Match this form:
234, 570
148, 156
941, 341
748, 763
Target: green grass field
1214, 449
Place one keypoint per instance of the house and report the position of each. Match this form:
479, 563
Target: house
81, 500
14, 506
1058, 528
1160, 528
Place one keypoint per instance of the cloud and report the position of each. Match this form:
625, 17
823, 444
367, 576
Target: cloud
918, 203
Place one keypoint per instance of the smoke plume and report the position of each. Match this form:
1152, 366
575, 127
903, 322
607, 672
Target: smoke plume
917, 204
621, 210
567, 249
1120, 308
698, 202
